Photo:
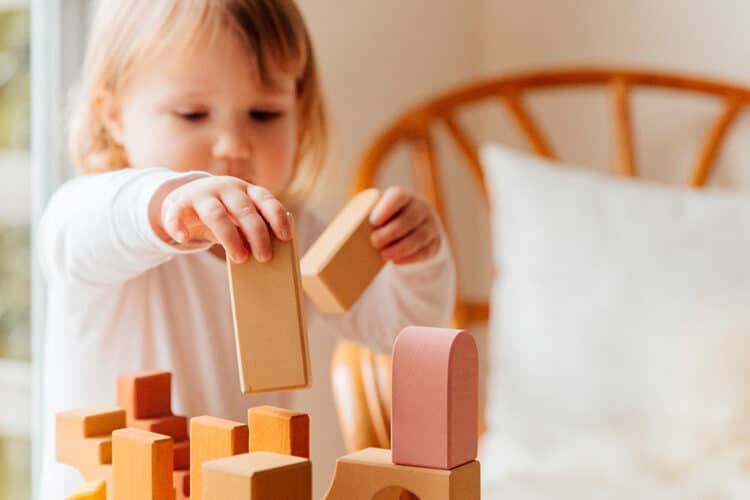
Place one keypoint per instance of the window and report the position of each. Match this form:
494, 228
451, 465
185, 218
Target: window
15, 270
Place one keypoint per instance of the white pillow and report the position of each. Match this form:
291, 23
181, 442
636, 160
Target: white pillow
620, 337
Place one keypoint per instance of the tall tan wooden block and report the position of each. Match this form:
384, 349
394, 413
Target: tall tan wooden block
142, 465
342, 262
269, 322
212, 438
279, 430
258, 476
367, 473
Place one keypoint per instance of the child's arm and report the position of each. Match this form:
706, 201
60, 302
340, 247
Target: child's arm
416, 287
105, 229
95, 229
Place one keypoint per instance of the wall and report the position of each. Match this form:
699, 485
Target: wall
694, 37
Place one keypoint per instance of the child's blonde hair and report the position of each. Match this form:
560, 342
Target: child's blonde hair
124, 31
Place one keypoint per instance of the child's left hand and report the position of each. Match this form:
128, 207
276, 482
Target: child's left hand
406, 229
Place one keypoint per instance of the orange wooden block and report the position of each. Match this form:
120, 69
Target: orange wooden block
258, 476
181, 484
94, 490
279, 430
269, 322
340, 265
174, 426
83, 440
182, 455
142, 465
435, 398
368, 472
212, 438
146, 394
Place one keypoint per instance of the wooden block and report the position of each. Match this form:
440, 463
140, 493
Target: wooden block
146, 394
182, 455
181, 484
366, 473
340, 265
269, 322
90, 455
142, 464
174, 426
93, 421
213, 438
435, 398
94, 490
258, 476
279, 430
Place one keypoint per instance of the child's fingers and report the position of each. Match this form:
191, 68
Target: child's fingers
410, 244
424, 253
173, 224
407, 220
272, 211
215, 217
253, 226
393, 201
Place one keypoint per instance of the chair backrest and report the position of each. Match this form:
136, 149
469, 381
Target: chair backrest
415, 129
360, 387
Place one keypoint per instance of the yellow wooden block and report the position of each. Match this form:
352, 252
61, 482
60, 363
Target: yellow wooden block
258, 476
340, 265
94, 490
213, 438
279, 430
269, 322
142, 464
367, 473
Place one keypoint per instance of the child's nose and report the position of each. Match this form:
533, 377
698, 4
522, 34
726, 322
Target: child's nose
231, 145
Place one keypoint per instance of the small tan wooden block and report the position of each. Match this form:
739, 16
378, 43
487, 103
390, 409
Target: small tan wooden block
90, 455
146, 394
94, 490
279, 430
93, 421
340, 265
174, 426
212, 438
142, 465
258, 476
366, 473
269, 322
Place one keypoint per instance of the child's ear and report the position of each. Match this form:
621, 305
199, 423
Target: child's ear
108, 109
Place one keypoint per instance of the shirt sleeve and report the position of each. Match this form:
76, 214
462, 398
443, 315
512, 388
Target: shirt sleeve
422, 293
96, 230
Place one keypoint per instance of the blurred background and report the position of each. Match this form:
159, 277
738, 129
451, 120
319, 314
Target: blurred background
378, 57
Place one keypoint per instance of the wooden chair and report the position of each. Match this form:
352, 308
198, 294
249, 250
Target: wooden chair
361, 379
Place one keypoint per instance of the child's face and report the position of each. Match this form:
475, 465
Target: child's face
209, 111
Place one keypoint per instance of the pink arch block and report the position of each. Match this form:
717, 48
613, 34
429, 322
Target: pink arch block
434, 420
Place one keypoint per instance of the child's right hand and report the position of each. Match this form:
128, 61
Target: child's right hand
222, 209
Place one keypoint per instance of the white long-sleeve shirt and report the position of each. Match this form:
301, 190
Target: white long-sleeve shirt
122, 300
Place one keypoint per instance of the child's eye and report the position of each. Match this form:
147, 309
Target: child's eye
264, 116
192, 116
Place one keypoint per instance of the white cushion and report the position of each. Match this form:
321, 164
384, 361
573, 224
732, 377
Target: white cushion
620, 337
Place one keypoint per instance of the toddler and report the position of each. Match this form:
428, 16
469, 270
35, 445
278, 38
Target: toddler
198, 125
